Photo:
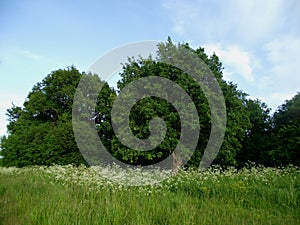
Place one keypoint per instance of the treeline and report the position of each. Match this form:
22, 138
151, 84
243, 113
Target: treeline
41, 133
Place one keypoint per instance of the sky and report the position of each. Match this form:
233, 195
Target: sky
258, 42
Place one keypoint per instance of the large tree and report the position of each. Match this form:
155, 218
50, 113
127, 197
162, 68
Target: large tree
40, 132
147, 108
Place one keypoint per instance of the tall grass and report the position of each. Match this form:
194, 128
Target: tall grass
77, 195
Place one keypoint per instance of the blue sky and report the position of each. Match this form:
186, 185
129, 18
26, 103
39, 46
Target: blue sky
258, 42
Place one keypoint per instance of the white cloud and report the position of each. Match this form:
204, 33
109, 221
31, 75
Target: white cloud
243, 21
258, 42
276, 99
254, 20
272, 76
282, 48
282, 74
283, 56
235, 60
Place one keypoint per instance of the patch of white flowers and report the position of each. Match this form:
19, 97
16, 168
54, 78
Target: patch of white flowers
114, 178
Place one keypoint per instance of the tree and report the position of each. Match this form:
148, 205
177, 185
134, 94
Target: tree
286, 144
142, 112
40, 132
147, 108
257, 143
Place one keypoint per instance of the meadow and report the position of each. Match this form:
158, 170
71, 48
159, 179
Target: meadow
78, 195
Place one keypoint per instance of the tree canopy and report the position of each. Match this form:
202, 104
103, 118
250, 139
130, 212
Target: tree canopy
286, 132
40, 132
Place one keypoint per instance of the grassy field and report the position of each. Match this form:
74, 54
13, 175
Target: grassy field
77, 195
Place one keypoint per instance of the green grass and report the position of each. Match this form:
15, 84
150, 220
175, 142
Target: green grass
69, 195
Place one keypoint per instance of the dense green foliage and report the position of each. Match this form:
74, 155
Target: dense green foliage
273, 140
148, 108
256, 144
67, 195
40, 132
286, 145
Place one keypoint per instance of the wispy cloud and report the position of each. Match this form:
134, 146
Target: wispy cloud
181, 14
31, 55
282, 58
284, 50
283, 54
258, 42
250, 22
